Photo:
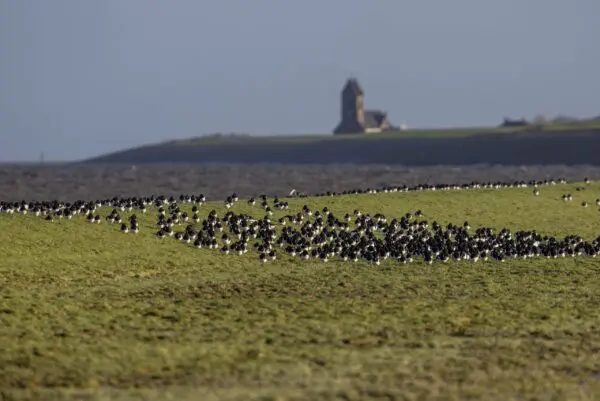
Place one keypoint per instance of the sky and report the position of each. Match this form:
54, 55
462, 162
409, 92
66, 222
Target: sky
79, 78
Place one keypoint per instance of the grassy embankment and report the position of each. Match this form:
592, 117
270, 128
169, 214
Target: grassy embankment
225, 139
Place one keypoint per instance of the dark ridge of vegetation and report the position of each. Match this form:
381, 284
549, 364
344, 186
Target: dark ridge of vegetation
526, 148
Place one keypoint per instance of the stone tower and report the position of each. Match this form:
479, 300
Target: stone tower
353, 104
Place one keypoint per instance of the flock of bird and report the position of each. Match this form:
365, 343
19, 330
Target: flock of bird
320, 234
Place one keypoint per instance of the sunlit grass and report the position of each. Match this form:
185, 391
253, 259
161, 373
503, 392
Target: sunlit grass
88, 310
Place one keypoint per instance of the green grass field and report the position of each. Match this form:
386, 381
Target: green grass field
412, 133
88, 312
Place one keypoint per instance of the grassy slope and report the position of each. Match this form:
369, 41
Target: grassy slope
413, 133
87, 307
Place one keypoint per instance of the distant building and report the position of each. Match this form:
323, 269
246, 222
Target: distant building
514, 123
354, 118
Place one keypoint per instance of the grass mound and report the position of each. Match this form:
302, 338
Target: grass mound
86, 310
224, 139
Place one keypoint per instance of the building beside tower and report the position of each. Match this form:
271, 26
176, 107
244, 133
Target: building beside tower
354, 118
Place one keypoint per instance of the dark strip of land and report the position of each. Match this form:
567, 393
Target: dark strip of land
523, 148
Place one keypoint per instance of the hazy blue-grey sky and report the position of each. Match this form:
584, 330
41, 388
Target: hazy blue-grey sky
79, 78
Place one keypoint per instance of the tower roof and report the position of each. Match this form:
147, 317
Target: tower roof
354, 86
